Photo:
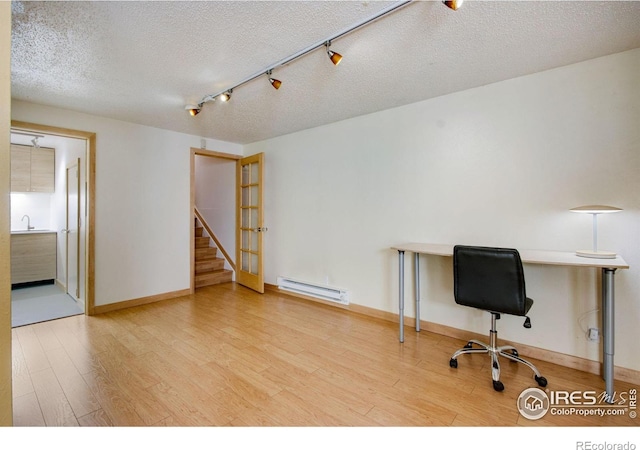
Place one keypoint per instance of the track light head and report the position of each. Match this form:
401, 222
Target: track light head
274, 82
226, 96
454, 4
194, 110
333, 56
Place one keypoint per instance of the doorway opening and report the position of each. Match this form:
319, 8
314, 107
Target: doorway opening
213, 204
61, 226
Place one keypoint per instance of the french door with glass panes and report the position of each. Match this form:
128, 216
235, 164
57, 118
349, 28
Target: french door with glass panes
249, 219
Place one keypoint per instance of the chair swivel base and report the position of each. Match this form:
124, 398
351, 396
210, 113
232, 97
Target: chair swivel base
506, 351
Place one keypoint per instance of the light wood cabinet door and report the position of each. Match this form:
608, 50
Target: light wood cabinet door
20, 168
42, 170
32, 169
33, 257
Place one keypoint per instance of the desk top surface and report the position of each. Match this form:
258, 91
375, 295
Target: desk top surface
550, 257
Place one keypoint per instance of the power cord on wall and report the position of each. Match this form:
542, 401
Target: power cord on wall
591, 333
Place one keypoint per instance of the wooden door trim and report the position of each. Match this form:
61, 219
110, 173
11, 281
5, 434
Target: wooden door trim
203, 152
90, 238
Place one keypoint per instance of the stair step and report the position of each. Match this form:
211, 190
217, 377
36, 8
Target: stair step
206, 253
202, 242
208, 265
211, 278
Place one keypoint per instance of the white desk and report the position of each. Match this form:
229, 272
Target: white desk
608, 266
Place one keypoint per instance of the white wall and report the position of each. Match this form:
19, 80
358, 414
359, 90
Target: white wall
216, 199
37, 205
497, 165
143, 222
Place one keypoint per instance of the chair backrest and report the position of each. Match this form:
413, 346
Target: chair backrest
489, 278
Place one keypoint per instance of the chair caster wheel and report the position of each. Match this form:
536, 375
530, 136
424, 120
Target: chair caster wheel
468, 345
453, 363
498, 386
542, 381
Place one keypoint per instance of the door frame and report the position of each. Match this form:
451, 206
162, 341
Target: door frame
75, 166
90, 167
192, 231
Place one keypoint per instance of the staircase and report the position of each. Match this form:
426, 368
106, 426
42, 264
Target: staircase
209, 268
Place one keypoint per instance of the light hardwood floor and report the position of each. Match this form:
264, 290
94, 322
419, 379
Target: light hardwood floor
229, 357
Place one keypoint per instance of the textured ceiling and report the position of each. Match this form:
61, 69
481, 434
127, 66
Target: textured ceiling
142, 62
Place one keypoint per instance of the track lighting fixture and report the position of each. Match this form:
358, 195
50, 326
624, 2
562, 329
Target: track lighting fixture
455, 4
226, 96
194, 110
274, 82
35, 137
333, 56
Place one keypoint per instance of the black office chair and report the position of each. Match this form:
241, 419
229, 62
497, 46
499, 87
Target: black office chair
492, 279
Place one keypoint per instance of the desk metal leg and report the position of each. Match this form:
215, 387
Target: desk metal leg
416, 279
608, 330
401, 293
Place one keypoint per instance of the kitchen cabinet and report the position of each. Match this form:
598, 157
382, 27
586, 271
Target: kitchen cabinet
33, 256
32, 169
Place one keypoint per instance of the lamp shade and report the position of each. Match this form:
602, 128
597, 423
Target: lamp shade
275, 83
455, 4
193, 110
225, 97
595, 210
334, 57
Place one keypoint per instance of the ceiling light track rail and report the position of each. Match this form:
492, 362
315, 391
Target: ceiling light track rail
223, 95
38, 136
335, 58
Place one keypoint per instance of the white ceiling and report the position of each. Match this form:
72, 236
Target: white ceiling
142, 62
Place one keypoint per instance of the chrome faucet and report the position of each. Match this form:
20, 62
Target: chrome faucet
29, 227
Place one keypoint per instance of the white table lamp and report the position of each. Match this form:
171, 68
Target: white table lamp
595, 210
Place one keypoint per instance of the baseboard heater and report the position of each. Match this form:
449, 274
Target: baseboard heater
314, 290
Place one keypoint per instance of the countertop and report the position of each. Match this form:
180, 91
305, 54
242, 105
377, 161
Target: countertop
31, 231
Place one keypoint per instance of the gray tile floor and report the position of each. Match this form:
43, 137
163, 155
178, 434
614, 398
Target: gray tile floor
40, 304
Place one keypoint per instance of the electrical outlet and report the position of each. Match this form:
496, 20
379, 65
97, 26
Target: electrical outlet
594, 334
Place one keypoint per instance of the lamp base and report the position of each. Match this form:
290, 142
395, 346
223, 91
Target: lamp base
597, 254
